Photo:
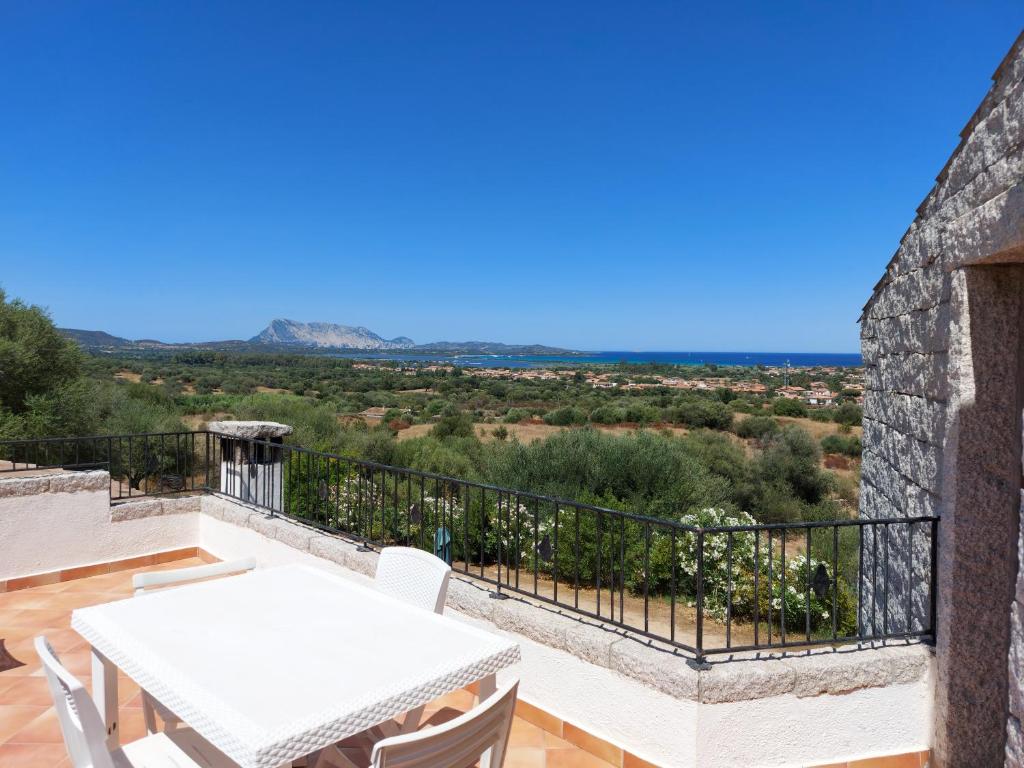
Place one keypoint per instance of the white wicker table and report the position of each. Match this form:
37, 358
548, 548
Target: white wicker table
275, 664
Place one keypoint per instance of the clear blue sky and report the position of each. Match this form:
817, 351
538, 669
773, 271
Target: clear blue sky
596, 175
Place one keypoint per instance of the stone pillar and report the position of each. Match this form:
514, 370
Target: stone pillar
251, 462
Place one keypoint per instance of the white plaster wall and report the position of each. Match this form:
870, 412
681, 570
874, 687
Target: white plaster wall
47, 532
792, 731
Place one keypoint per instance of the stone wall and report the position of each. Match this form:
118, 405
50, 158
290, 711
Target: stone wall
941, 339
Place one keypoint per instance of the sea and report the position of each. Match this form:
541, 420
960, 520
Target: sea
795, 359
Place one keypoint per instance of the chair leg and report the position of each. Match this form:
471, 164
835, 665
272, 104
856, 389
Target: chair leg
412, 720
148, 713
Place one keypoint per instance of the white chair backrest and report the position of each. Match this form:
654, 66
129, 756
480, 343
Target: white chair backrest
413, 576
481, 733
145, 581
80, 721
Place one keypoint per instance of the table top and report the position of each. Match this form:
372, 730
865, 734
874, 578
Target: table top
271, 665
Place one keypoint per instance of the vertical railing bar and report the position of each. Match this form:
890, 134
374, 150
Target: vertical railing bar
554, 569
728, 600
835, 581
874, 580
576, 559
807, 585
910, 578
757, 586
885, 586
782, 573
622, 567
672, 598
647, 580
700, 596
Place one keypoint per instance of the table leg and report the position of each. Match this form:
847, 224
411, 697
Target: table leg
488, 685
104, 693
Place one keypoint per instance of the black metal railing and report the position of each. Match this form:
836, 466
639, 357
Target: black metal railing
705, 589
143, 464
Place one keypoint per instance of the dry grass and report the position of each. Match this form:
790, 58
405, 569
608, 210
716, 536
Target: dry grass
135, 378
273, 391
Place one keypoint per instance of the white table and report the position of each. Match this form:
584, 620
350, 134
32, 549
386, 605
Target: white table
275, 664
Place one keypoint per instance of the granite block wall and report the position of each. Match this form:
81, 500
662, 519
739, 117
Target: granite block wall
941, 338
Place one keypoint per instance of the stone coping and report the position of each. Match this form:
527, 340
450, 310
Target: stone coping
61, 482
739, 677
250, 430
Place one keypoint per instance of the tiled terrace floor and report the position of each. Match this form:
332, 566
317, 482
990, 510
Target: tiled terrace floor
29, 732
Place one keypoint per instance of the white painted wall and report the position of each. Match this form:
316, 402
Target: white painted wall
49, 531
792, 731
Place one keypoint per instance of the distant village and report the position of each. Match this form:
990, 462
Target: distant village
847, 383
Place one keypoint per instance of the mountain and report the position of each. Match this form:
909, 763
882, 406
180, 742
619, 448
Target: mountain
294, 337
283, 331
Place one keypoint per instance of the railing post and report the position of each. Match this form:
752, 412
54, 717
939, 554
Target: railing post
700, 598
497, 594
934, 581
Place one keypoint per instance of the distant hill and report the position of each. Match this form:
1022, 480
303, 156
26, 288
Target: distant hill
328, 335
283, 335
89, 339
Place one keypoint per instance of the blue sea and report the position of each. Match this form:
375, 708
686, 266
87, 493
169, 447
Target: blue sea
796, 359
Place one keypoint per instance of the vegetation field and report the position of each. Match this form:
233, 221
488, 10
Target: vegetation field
662, 440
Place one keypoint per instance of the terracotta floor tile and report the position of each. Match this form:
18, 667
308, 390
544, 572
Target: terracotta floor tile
909, 760
573, 758
525, 734
28, 690
44, 728
14, 717
32, 755
525, 757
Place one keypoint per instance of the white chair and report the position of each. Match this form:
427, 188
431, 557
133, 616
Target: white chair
85, 735
482, 733
413, 576
150, 580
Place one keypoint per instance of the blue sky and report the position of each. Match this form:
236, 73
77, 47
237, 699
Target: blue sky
595, 175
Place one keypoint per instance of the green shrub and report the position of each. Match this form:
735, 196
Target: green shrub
515, 415
702, 413
757, 427
849, 414
784, 406
453, 423
848, 445
565, 417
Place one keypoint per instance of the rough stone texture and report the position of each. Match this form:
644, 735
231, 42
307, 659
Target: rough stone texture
135, 510
941, 338
250, 430
734, 681
656, 665
64, 482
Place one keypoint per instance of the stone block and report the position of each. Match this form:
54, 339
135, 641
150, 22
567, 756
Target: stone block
536, 622
835, 673
655, 667
136, 510
471, 598
72, 482
740, 680
24, 486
